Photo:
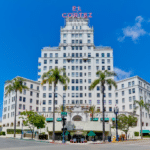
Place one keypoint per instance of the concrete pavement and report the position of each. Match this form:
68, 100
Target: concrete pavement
16, 144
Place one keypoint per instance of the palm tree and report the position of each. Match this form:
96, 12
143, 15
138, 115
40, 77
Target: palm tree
141, 106
54, 76
103, 77
15, 85
92, 111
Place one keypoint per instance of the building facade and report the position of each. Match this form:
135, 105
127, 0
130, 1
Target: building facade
81, 59
27, 100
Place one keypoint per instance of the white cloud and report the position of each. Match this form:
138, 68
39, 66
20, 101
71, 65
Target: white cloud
121, 74
134, 32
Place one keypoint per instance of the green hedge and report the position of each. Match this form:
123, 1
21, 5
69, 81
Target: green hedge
136, 133
2, 133
11, 131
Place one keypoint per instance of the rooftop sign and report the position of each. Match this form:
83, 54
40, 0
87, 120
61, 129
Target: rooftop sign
77, 13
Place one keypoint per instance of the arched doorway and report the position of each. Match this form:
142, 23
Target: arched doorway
77, 118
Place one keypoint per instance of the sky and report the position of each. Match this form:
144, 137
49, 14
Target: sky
27, 26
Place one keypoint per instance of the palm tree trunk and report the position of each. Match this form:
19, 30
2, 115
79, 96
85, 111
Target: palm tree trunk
92, 116
141, 122
103, 113
15, 115
54, 114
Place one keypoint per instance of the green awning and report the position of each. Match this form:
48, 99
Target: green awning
49, 119
106, 119
94, 119
91, 133
113, 119
66, 133
145, 131
59, 119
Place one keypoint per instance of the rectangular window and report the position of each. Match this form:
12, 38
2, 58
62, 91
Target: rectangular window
103, 67
56, 61
49, 109
97, 54
122, 93
130, 99
108, 54
37, 102
98, 94
56, 54
30, 100
108, 61
110, 108
116, 101
89, 47
45, 61
20, 98
44, 102
89, 41
129, 84
133, 90
102, 55
97, 61
103, 61
108, 68
130, 106
98, 102
110, 102
123, 100
129, 91
64, 47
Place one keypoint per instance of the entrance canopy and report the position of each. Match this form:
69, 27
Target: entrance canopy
91, 133
145, 131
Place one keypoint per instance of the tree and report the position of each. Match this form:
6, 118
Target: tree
54, 76
124, 122
92, 111
33, 119
103, 77
84, 134
141, 105
15, 85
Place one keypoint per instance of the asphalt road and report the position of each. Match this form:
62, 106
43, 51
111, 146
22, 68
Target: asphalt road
16, 144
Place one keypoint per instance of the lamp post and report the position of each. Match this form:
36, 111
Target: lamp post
116, 111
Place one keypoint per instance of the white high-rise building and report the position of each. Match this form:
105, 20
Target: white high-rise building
81, 60
27, 100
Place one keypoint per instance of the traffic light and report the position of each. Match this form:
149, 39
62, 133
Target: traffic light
65, 129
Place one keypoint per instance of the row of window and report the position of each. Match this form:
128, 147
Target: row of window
76, 47
130, 91
76, 60
77, 35
74, 54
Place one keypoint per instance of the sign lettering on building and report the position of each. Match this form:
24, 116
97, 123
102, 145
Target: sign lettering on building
77, 13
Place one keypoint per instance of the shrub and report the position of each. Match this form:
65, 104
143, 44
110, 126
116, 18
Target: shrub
136, 133
11, 131
2, 133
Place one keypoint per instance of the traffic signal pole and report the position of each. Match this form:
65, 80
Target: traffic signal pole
63, 118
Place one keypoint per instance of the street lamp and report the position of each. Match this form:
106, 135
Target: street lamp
116, 111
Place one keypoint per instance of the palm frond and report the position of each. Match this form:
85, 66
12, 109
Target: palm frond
110, 73
94, 83
111, 82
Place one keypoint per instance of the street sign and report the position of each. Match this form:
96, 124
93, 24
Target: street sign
64, 113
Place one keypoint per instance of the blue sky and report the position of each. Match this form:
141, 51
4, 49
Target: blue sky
28, 25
